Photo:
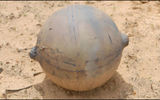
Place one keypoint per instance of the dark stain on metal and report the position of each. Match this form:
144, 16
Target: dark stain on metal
70, 63
110, 38
108, 62
73, 23
80, 71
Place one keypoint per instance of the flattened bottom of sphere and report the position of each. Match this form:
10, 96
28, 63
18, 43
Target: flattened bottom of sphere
83, 84
86, 83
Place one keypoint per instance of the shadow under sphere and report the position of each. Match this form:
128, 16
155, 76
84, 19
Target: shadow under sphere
116, 87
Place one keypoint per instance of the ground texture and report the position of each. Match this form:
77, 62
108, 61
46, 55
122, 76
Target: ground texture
138, 75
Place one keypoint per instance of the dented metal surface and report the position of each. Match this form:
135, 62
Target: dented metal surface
79, 47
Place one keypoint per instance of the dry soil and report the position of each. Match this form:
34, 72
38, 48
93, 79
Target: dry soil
138, 75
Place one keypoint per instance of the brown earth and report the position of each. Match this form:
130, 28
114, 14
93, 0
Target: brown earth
138, 75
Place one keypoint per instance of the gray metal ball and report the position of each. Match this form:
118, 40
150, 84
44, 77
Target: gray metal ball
79, 47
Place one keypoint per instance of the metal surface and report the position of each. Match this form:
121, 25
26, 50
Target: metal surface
79, 47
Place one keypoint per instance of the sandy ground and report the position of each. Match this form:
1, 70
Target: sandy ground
138, 75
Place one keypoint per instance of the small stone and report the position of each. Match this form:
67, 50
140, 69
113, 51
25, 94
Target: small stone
1, 70
134, 93
21, 34
13, 28
11, 16
7, 44
7, 62
12, 66
18, 50
25, 49
1, 63
39, 25
17, 8
32, 34
144, 1
50, 28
